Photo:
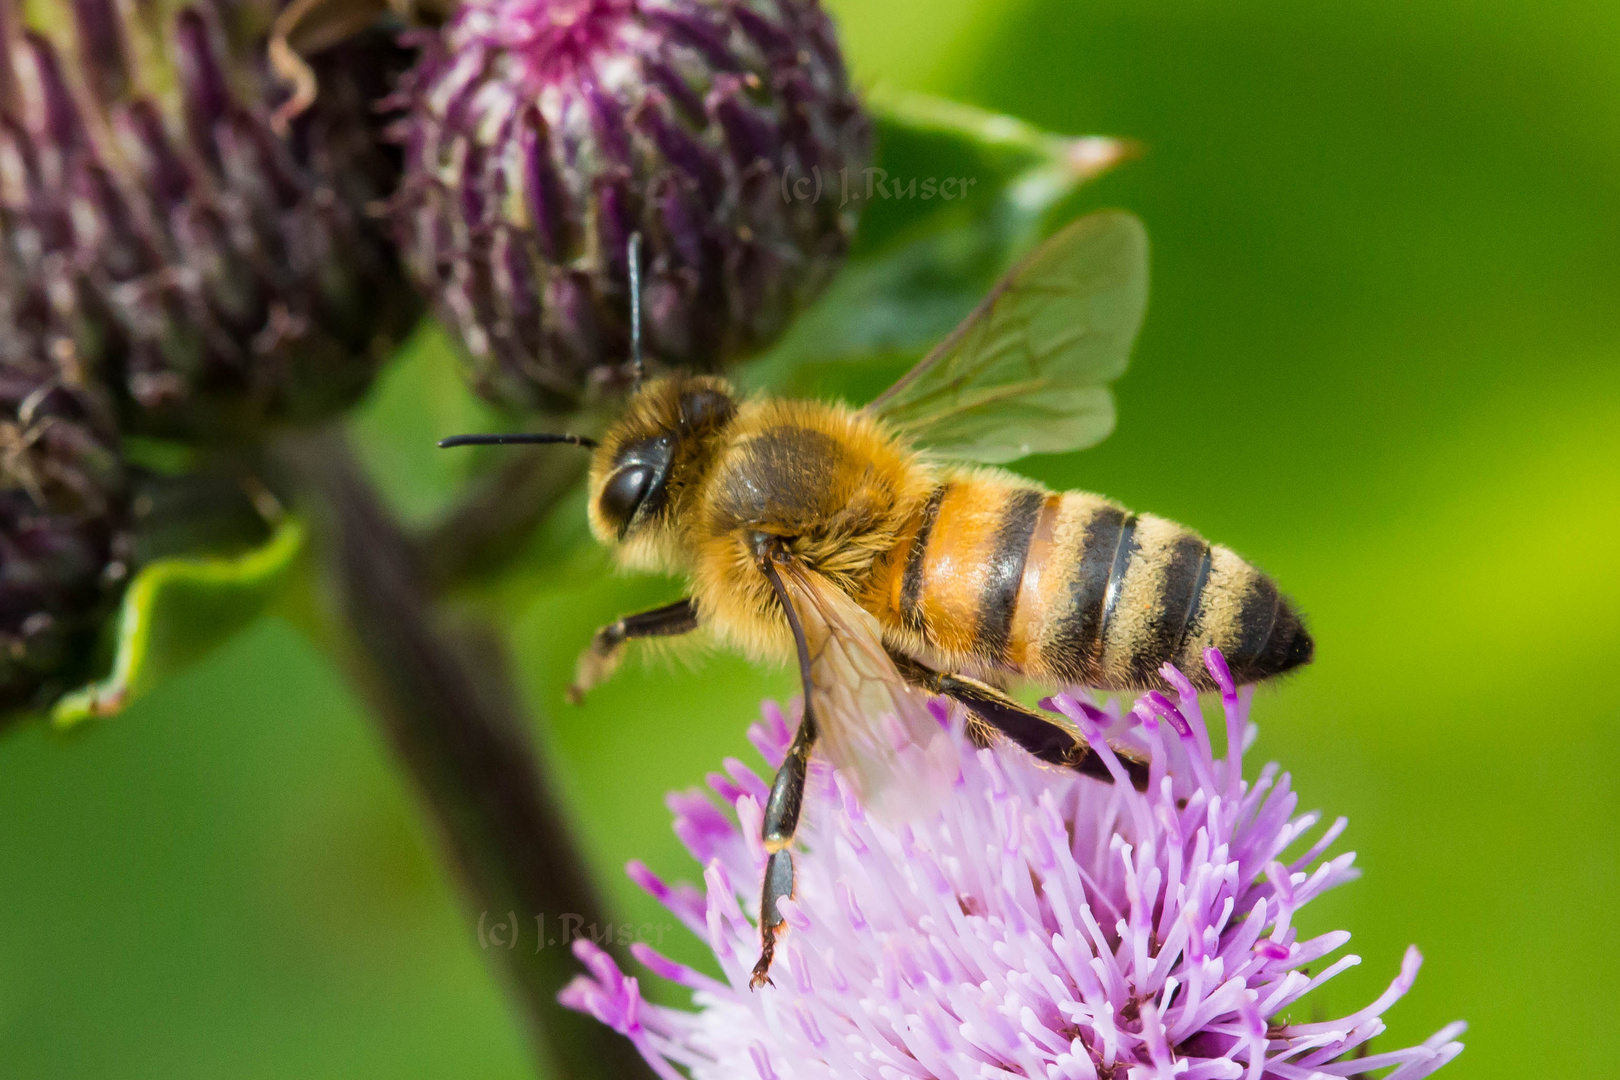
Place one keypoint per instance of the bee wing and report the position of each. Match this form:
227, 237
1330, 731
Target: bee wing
1027, 371
875, 727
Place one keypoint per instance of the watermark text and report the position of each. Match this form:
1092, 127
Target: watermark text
507, 931
870, 183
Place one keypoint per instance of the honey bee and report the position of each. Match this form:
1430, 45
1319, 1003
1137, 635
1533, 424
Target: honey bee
883, 550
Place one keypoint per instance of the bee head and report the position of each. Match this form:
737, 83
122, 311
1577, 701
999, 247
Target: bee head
654, 453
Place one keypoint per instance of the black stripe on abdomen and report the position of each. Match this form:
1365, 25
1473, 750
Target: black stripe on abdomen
999, 597
1074, 642
911, 585
1195, 606
1186, 563
1124, 551
1256, 617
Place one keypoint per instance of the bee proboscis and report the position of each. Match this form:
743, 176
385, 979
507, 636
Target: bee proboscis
883, 550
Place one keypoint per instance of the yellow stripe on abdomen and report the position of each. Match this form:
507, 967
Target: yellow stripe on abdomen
956, 561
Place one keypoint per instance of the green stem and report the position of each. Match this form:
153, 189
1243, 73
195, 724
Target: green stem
442, 699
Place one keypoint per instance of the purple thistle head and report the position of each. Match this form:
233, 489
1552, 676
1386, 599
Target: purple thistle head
543, 133
1039, 924
158, 234
64, 526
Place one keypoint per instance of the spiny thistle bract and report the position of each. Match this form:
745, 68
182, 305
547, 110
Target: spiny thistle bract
1040, 924
214, 275
64, 540
543, 133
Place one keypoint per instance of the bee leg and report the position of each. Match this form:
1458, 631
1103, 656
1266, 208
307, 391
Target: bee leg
1039, 733
786, 799
607, 647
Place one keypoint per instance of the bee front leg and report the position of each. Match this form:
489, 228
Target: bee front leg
607, 647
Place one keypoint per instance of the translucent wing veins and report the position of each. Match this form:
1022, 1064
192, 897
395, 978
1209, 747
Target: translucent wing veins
875, 728
1027, 370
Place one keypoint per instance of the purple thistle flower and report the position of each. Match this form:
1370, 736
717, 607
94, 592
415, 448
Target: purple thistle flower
543, 133
1039, 924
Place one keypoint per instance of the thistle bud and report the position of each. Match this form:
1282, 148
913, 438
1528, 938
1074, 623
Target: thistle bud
155, 228
64, 540
543, 133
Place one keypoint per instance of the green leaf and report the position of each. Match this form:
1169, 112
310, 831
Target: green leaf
176, 611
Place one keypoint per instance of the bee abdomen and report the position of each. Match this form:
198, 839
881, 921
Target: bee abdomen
1074, 589
1123, 594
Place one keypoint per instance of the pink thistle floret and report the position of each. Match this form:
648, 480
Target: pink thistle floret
1039, 924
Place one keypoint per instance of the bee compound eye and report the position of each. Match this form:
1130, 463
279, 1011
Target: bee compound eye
624, 493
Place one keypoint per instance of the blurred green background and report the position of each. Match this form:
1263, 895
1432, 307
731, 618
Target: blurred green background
1380, 360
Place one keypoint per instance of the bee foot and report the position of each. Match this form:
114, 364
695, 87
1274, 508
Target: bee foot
595, 665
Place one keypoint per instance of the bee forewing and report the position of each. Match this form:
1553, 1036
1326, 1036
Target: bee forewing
1027, 372
876, 729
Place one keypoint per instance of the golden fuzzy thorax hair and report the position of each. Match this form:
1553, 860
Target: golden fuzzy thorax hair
831, 480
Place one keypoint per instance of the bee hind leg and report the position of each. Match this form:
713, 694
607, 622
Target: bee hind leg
598, 661
1043, 736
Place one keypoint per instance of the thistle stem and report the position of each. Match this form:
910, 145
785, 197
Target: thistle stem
443, 702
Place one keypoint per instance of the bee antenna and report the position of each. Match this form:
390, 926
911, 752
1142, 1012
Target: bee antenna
635, 308
518, 437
